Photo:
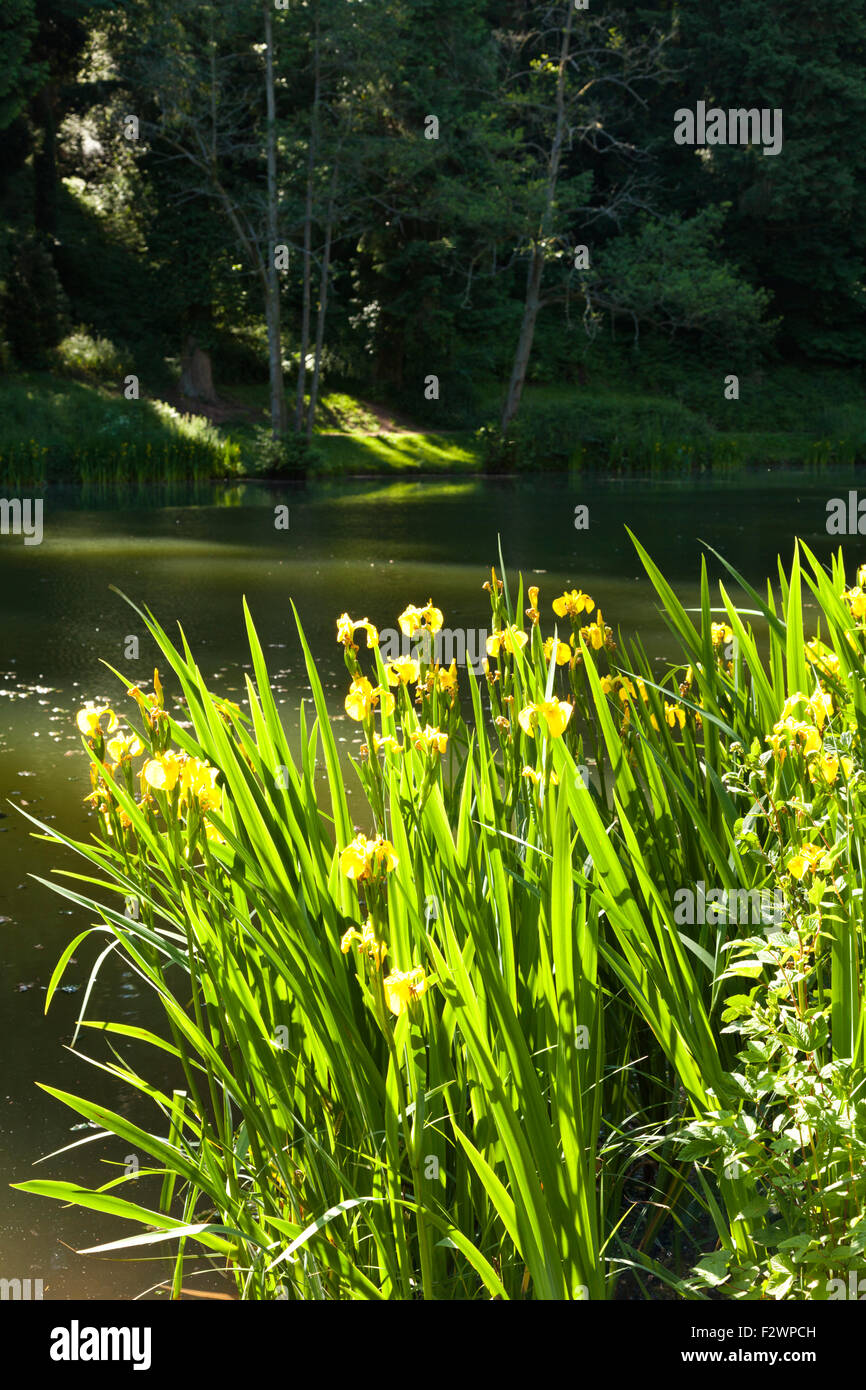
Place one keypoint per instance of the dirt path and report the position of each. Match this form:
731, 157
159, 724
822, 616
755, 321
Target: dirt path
220, 413
387, 422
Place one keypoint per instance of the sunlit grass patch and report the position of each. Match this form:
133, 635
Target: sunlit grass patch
400, 452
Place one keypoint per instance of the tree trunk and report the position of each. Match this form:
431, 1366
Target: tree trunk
308, 243
279, 414
532, 301
196, 374
45, 163
519, 367
323, 303
306, 302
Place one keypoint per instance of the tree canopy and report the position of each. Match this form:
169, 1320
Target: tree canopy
388, 194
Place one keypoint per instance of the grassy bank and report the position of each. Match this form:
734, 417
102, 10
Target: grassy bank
55, 429
58, 428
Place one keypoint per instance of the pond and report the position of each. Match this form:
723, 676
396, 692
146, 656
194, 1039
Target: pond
369, 547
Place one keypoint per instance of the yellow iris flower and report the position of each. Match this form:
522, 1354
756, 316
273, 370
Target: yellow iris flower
563, 651
199, 781
89, 720
826, 661
124, 747
597, 634
404, 671
346, 630
788, 729
413, 619
362, 699
555, 713
510, 638
573, 603
161, 773
429, 740
447, 680
433, 617
819, 706
535, 776
362, 858
367, 942
828, 765
808, 737
402, 988
856, 600
388, 743
675, 714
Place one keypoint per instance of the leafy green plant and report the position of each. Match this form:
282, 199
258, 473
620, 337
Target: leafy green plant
800, 1134
424, 1055
276, 458
94, 358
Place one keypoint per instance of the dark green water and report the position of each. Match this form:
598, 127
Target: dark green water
366, 547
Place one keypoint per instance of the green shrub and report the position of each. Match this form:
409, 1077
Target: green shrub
611, 431
282, 458
95, 359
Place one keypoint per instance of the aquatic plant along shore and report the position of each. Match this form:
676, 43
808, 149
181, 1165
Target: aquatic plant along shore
559, 1016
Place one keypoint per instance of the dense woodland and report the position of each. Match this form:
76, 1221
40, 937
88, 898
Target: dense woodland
376, 195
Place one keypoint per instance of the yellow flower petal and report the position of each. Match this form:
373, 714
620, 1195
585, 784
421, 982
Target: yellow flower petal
359, 701
557, 714
402, 988
403, 671
89, 720
161, 773
526, 719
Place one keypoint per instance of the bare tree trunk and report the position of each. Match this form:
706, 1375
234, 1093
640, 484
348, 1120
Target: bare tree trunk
196, 374
308, 241
307, 299
323, 302
532, 301
531, 305
279, 414
45, 178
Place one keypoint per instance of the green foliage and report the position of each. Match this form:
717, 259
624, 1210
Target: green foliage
725, 262
17, 28
800, 1136
64, 431
799, 221
670, 274
276, 458
35, 308
585, 430
95, 359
